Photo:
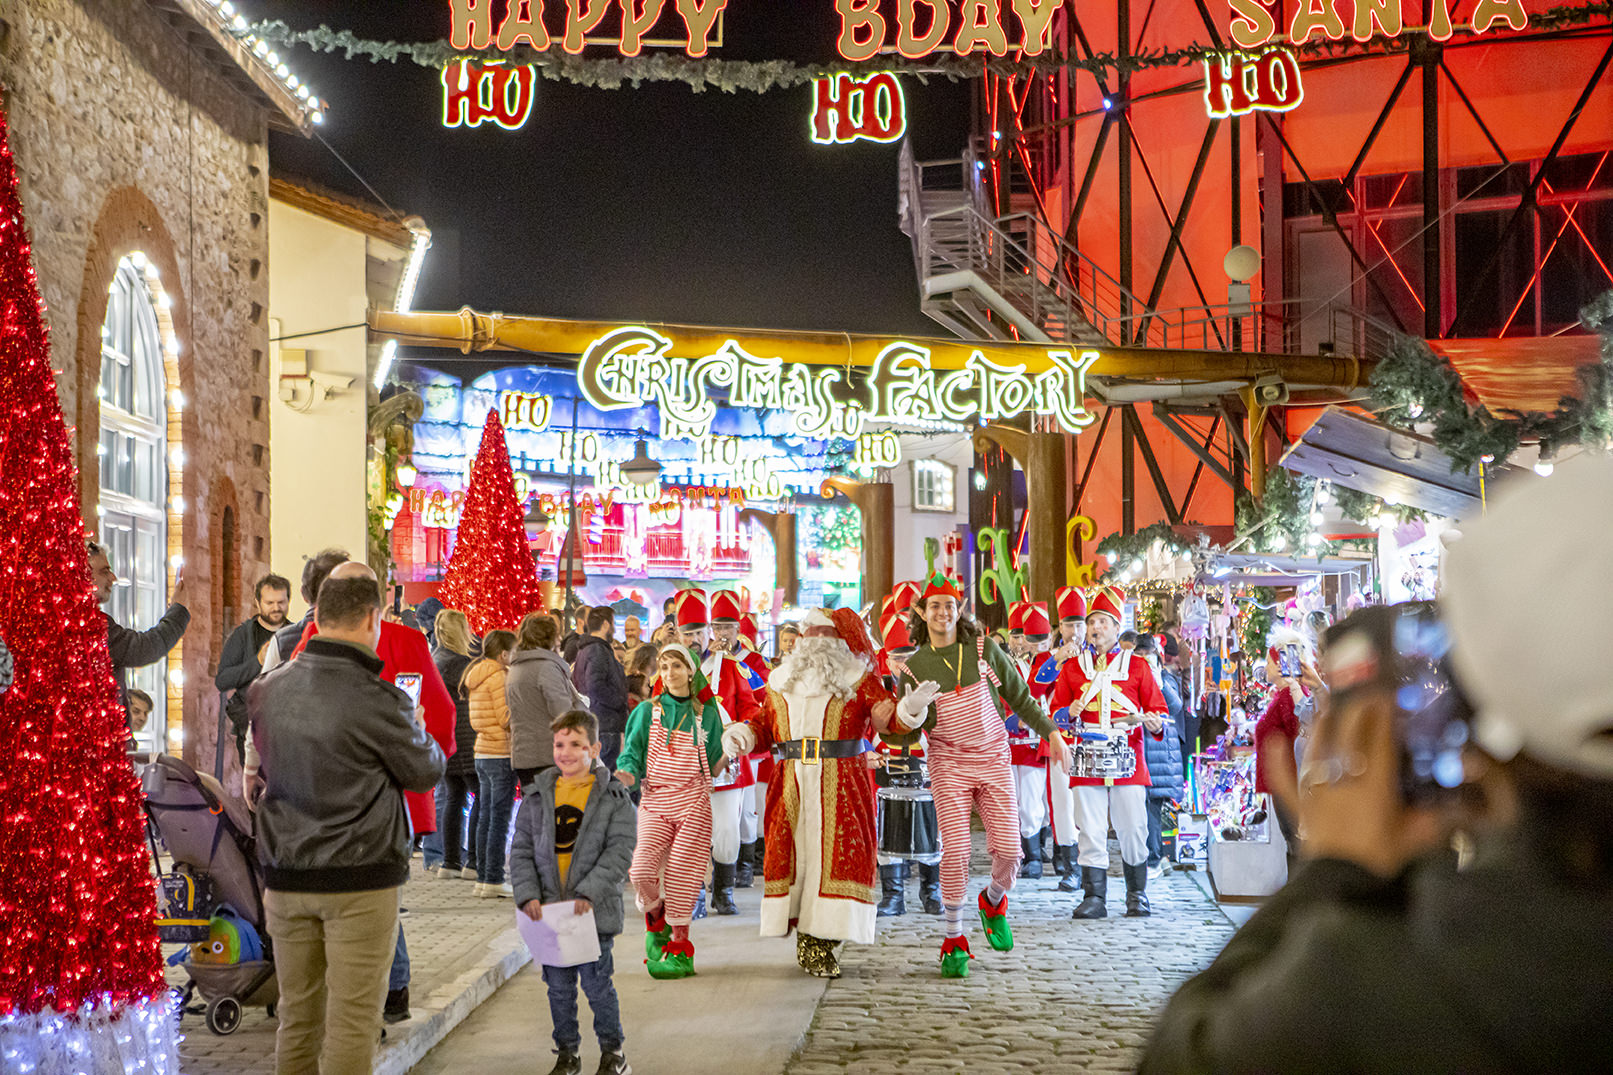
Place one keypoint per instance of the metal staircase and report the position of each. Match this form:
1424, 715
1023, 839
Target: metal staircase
1003, 278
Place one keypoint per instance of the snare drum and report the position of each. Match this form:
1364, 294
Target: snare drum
1105, 759
907, 827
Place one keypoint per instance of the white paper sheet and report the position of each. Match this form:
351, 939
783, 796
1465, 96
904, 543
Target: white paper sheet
562, 937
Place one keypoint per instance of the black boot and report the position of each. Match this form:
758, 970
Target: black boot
891, 880
930, 887
1068, 876
1136, 882
1044, 840
699, 905
1096, 880
1031, 865
722, 888
745, 871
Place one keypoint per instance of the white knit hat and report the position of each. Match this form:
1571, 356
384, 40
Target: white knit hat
1543, 687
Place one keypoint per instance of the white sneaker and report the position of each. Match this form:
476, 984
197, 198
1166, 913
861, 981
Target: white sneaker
1158, 871
468, 873
477, 891
506, 891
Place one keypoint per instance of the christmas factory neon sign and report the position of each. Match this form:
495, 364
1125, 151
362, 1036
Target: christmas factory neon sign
631, 367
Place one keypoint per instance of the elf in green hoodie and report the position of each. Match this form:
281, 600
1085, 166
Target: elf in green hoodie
673, 746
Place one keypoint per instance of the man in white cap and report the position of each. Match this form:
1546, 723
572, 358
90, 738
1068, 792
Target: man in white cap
1382, 955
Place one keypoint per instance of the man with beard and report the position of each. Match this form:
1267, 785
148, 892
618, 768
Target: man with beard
242, 659
963, 689
822, 704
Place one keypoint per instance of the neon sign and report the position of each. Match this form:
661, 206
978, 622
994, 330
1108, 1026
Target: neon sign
630, 367
926, 26
1235, 86
525, 410
475, 28
846, 109
1253, 24
473, 94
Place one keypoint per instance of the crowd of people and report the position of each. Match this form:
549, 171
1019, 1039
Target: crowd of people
680, 765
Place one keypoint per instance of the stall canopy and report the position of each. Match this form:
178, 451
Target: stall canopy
1398, 468
1261, 569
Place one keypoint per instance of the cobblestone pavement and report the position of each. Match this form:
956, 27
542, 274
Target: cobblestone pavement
460, 950
1070, 996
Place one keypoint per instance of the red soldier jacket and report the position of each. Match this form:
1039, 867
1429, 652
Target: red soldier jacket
1131, 691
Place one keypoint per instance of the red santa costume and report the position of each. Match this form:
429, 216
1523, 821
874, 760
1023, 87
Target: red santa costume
1025, 750
1071, 606
730, 680
823, 705
1108, 695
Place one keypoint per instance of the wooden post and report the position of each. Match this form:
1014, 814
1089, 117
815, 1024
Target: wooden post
1045, 495
785, 574
877, 503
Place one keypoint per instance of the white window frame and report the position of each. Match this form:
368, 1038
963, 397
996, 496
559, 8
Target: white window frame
922, 497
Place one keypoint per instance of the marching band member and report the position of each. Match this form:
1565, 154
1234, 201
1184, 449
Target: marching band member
1025, 746
897, 749
964, 686
750, 828
1071, 605
1112, 698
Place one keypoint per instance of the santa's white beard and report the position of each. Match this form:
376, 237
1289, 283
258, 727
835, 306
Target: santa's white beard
819, 665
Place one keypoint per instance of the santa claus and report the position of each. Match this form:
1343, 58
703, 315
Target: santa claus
821, 707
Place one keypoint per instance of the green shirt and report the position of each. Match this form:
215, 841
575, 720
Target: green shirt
674, 712
955, 666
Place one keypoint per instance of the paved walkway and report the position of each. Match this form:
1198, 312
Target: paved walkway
1070, 996
461, 949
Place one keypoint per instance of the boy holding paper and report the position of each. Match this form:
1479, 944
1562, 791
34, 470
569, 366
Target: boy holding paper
574, 841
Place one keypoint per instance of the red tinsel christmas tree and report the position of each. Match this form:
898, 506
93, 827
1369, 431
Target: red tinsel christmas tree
81, 984
491, 575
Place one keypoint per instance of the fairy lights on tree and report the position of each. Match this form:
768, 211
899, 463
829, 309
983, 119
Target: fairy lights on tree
491, 575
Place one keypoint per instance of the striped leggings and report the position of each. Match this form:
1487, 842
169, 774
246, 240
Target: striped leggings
674, 846
987, 785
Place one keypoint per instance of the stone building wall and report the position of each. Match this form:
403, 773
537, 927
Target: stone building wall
126, 139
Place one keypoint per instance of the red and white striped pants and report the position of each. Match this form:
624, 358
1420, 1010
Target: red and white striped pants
960, 781
674, 846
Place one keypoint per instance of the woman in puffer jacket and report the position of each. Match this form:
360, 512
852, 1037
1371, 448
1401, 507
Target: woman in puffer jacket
490, 716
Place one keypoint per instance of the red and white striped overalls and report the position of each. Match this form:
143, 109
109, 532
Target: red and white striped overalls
674, 819
969, 767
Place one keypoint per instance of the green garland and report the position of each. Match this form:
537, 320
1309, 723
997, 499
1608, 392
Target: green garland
1255, 628
1285, 511
1412, 384
1122, 549
1363, 506
731, 76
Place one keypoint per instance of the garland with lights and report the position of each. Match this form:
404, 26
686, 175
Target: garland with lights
731, 76
1122, 550
81, 981
1413, 385
1255, 617
1281, 519
491, 577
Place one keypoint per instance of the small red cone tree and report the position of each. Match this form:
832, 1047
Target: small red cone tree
81, 984
491, 575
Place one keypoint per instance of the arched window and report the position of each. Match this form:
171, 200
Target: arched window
133, 453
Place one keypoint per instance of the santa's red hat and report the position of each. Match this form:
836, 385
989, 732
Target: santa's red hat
853, 632
1033, 618
689, 608
726, 607
1016, 617
940, 585
906, 595
1071, 602
1110, 600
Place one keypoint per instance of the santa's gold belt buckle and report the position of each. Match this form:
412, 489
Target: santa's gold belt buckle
811, 751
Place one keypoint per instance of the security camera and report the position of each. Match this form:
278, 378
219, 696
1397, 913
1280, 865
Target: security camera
329, 384
1270, 391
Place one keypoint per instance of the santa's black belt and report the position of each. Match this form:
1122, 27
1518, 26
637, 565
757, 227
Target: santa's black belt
808, 751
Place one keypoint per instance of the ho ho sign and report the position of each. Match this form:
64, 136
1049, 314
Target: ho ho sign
846, 109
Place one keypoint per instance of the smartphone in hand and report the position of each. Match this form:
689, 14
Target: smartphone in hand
409, 683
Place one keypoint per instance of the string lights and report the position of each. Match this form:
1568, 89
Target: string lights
81, 984
491, 575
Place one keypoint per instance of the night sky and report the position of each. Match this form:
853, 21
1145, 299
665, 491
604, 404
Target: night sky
656, 203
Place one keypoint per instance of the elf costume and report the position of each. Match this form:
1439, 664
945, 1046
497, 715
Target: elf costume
969, 763
671, 747
1107, 695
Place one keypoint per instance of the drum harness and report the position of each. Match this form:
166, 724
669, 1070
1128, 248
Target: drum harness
1101, 685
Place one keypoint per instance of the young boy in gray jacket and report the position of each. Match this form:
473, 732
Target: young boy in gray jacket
574, 840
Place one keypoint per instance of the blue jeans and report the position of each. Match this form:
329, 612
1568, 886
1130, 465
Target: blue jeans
601, 992
398, 977
452, 795
496, 780
431, 843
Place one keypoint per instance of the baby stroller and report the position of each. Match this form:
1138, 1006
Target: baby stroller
213, 891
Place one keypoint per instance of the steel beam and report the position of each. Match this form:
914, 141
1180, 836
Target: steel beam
1161, 486
1183, 434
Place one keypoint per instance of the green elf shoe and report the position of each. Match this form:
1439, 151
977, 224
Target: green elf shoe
656, 935
955, 957
676, 961
995, 921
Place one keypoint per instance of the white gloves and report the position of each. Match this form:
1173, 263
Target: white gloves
911, 709
738, 740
